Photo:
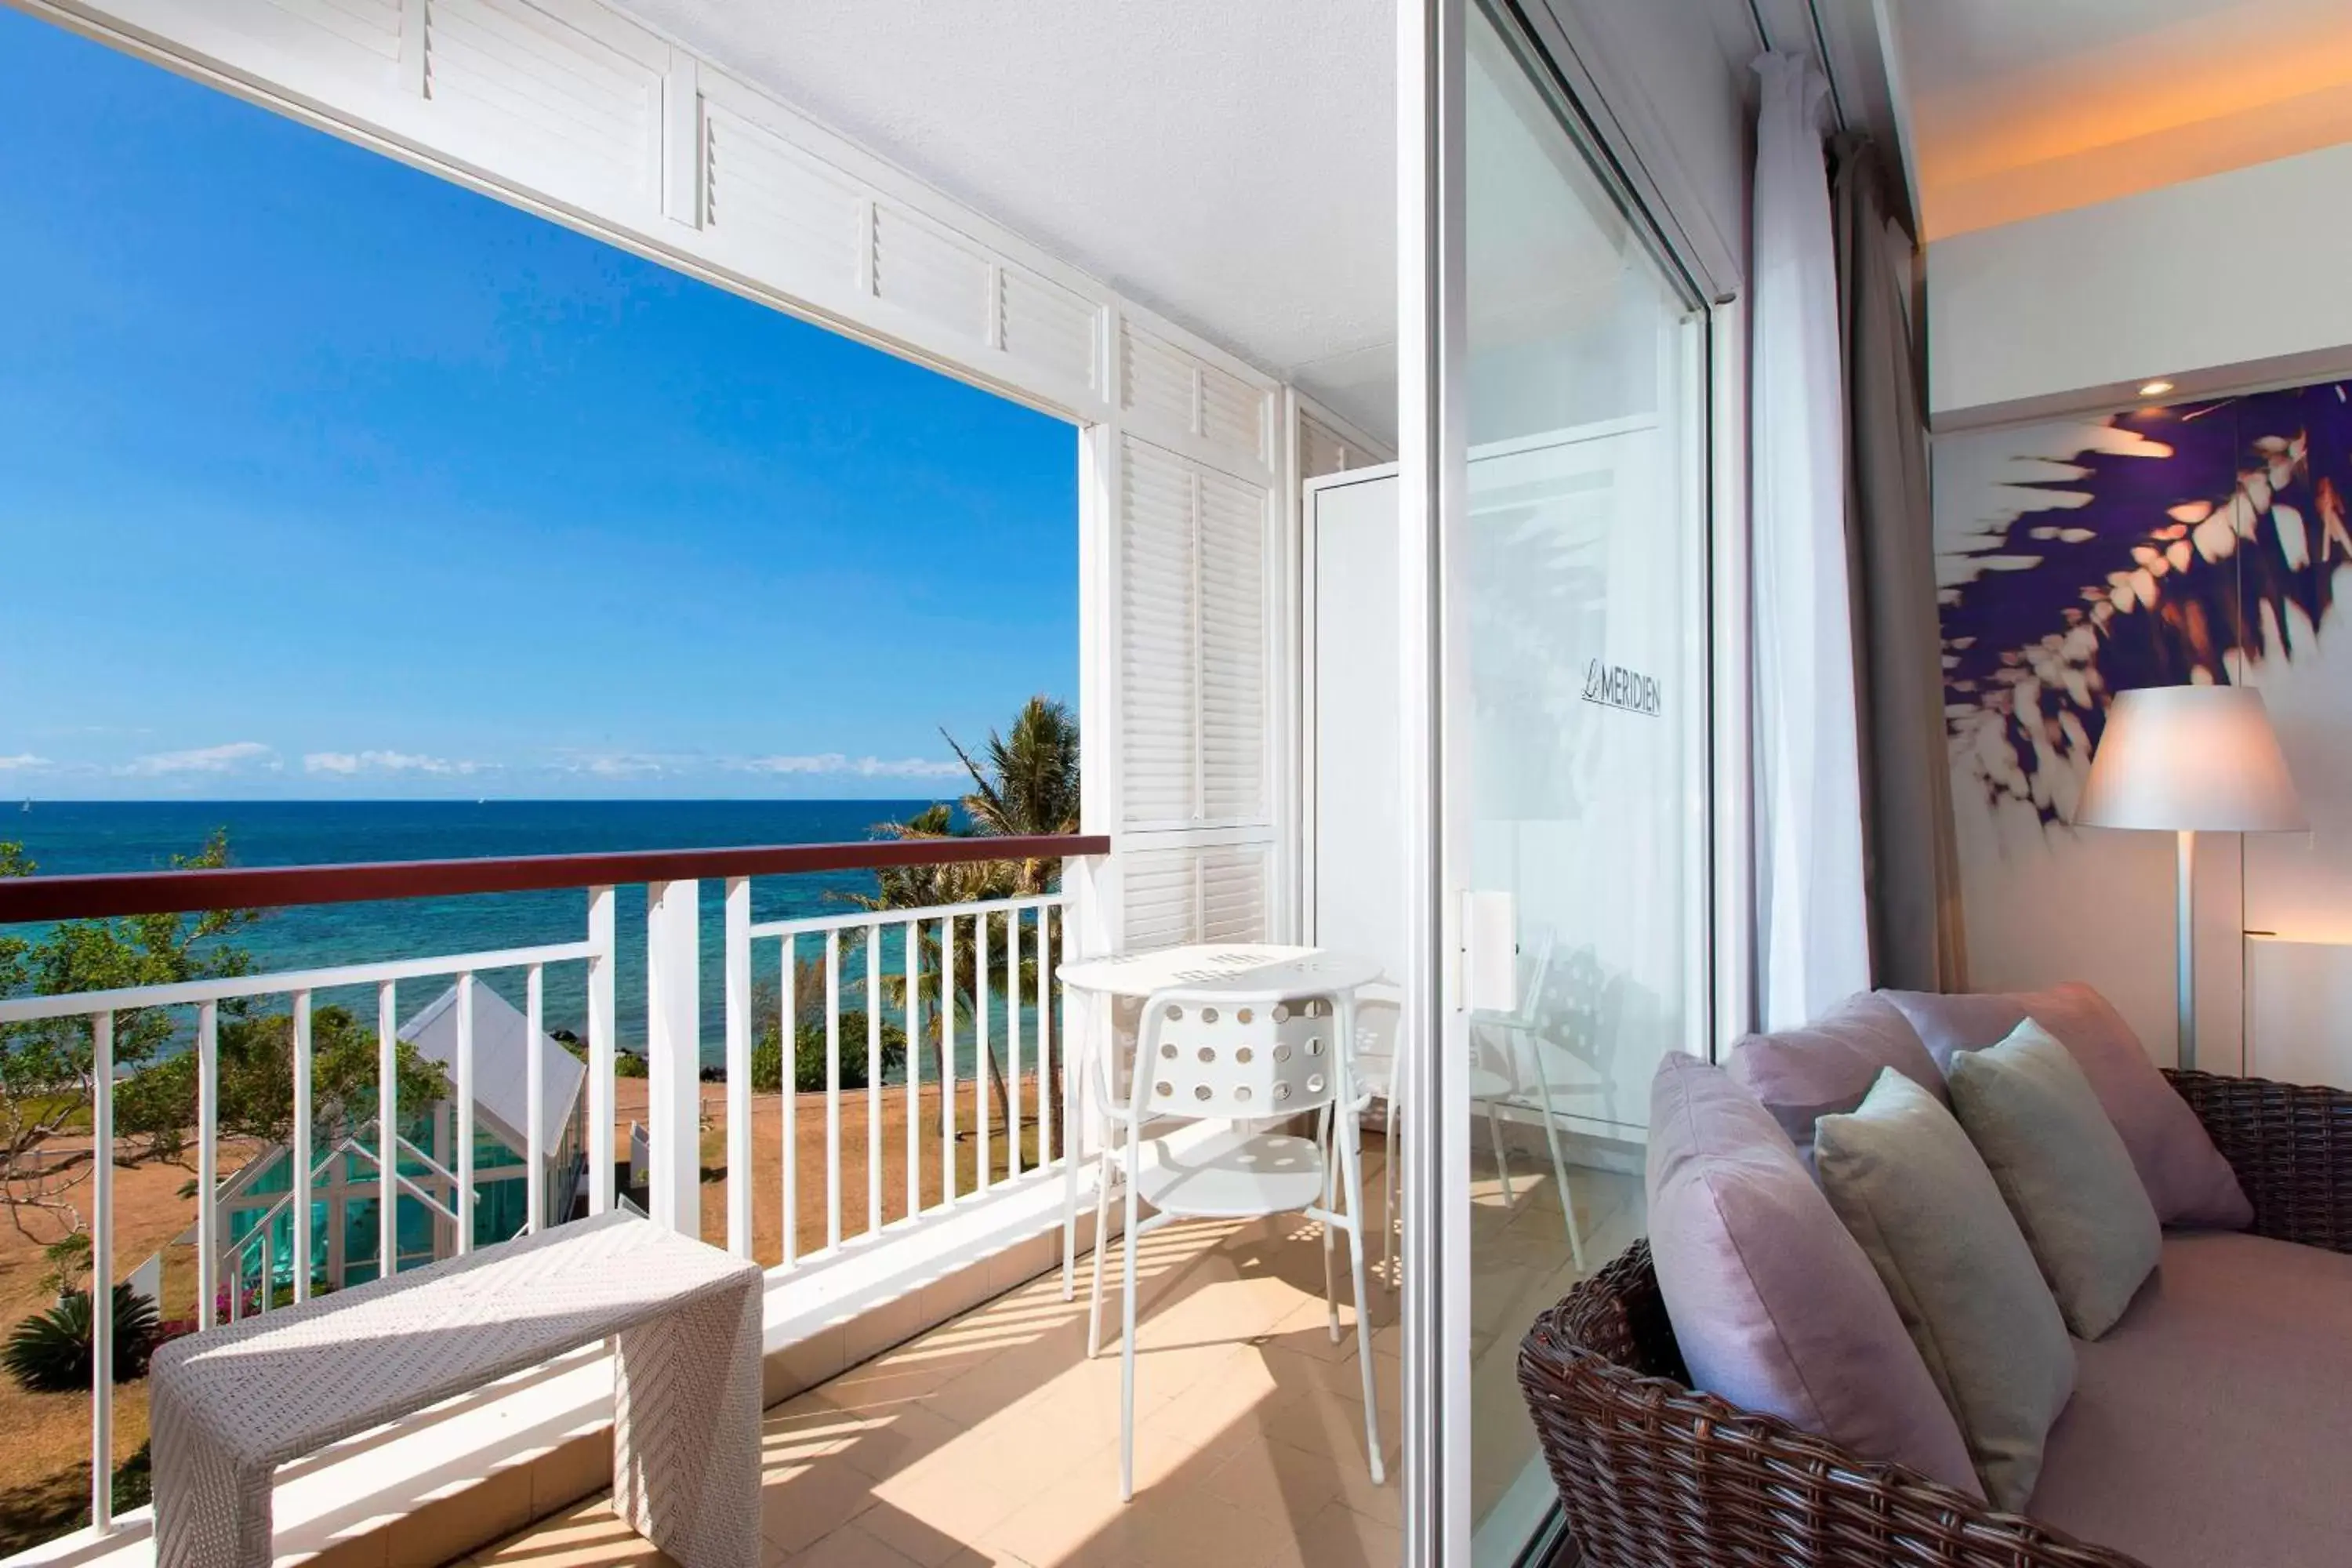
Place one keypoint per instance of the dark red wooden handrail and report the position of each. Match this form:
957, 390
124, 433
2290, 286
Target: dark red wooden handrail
109, 893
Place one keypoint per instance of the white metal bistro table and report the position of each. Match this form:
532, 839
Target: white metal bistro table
1133, 977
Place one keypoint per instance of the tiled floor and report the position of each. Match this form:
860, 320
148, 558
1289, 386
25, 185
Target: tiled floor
994, 1440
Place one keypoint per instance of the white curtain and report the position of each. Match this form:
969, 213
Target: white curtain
1813, 941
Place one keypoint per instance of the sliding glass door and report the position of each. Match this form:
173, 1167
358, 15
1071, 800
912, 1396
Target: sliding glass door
1567, 717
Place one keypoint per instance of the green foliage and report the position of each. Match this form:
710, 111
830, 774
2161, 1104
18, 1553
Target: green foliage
1025, 782
54, 1056
625, 1064
69, 1262
1031, 781
49, 1352
45, 1067
808, 1055
256, 1079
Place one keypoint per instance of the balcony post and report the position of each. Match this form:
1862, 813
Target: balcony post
674, 1054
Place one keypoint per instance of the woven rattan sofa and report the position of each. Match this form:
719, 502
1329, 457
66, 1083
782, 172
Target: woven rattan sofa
1654, 1474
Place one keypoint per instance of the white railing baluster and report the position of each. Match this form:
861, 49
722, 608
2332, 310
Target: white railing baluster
982, 1071
947, 1062
534, 1013
101, 1273
207, 1160
674, 1055
462, 1199
1012, 1041
911, 1023
833, 1088
872, 1078
788, 1033
387, 1129
1045, 1077
739, 1066
302, 1113
600, 1027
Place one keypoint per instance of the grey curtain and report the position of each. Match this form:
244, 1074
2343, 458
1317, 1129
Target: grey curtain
1910, 863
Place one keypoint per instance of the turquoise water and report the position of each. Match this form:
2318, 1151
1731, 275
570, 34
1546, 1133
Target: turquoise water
66, 836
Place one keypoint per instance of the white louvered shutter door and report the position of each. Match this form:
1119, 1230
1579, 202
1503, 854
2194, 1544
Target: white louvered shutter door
1159, 755
1194, 576
1232, 533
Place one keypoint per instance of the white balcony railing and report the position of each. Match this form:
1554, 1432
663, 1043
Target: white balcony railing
957, 982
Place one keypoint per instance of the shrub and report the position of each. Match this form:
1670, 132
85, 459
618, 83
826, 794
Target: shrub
808, 1055
49, 1352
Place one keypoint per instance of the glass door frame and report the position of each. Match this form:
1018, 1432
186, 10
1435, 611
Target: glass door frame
1434, 708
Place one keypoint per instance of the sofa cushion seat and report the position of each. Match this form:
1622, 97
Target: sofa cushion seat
2209, 1426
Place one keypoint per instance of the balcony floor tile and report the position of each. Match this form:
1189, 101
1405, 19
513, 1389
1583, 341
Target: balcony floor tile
993, 1440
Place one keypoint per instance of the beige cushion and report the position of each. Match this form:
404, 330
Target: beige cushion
2210, 1427
2065, 1171
1908, 1183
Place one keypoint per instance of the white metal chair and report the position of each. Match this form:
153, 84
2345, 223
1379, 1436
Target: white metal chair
1506, 1061
1243, 1055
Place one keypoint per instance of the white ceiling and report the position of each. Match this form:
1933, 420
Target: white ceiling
1087, 129
2024, 107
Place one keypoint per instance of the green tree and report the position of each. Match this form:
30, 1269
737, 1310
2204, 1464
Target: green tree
47, 1068
1025, 782
46, 1065
255, 1080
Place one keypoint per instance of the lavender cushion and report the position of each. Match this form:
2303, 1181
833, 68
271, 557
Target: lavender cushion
1828, 1065
2185, 1175
1774, 1305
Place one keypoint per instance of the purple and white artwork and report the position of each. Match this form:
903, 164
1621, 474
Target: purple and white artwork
2081, 558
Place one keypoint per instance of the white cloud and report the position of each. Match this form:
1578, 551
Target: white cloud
344, 764
229, 758
616, 765
864, 767
23, 762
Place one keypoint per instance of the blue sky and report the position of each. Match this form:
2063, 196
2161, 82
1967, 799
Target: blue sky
320, 476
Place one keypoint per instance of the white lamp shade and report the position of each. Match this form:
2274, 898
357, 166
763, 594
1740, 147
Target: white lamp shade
2202, 758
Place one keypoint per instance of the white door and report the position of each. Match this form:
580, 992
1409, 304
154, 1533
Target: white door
1356, 886
1554, 706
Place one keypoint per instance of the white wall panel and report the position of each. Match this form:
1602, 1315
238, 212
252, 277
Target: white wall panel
1233, 893
776, 211
1156, 380
931, 273
523, 89
1050, 329
1233, 413
2215, 284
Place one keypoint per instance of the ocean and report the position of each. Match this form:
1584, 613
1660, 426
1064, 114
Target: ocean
78, 837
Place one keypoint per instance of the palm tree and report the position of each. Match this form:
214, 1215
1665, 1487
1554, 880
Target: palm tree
1030, 785
1024, 783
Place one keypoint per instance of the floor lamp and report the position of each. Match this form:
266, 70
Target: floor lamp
2189, 759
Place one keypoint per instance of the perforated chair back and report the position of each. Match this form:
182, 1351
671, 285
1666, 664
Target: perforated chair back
1232, 1053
